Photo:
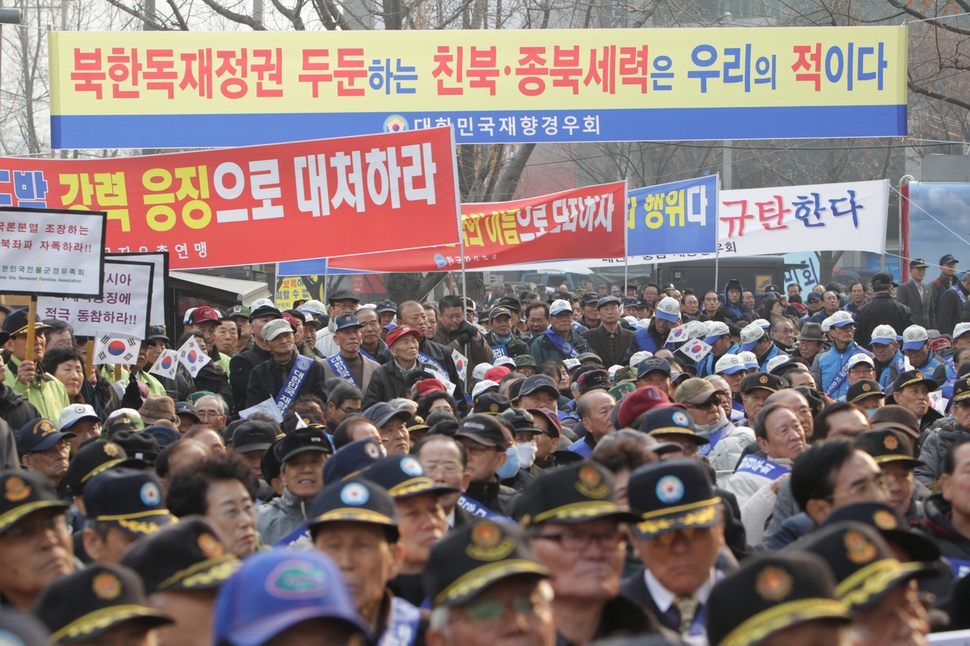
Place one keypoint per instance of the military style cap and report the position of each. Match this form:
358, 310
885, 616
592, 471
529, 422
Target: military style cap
39, 435
653, 364
253, 435
92, 458
303, 440
511, 303
188, 555
575, 493
673, 494
24, 492
357, 500
961, 389
639, 402
769, 594
672, 420
474, 557
482, 429
496, 312
238, 311
886, 445
863, 389
403, 477
890, 524
491, 403
764, 381
918, 263
864, 567
521, 421
16, 324
277, 589
123, 419
129, 499
589, 356
593, 379
911, 377
82, 606
351, 459
137, 445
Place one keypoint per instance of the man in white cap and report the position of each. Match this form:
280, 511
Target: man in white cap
731, 369
921, 357
718, 336
885, 349
754, 338
654, 336
561, 341
286, 374
861, 366
831, 367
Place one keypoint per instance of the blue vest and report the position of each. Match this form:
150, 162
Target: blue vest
645, 342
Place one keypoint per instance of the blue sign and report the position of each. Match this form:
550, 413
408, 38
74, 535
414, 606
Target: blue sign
679, 217
316, 267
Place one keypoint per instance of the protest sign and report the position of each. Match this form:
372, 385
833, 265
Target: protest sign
567, 224
159, 280
124, 307
171, 89
679, 217
243, 206
49, 252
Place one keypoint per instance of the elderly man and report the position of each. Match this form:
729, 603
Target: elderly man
831, 367
485, 442
349, 363
609, 340
918, 296
371, 343
654, 336
287, 374
502, 338
42, 448
412, 314
921, 357
754, 338
391, 379
561, 340
726, 441
485, 596
911, 390
678, 539
444, 460
25, 375
457, 333
937, 444
339, 302
887, 357
574, 523
212, 411
35, 541
241, 365
594, 410
947, 514
718, 336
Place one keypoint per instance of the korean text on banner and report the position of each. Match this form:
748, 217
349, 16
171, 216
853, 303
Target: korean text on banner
568, 224
159, 280
46, 252
849, 216
679, 217
242, 206
191, 89
123, 309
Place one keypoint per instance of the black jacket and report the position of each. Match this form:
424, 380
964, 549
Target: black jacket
609, 346
936, 525
15, 410
239, 368
388, 382
514, 348
625, 617
267, 379
494, 495
213, 378
950, 310
883, 309
438, 352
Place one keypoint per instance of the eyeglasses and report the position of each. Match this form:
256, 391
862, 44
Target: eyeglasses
492, 611
878, 484
448, 468
350, 410
579, 542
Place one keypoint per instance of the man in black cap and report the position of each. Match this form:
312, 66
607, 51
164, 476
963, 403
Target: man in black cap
339, 302
487, 589
355, 523
35, 542
755, 389
44, 449
287, 374
182, 567
918, 295
589, 316
421, 518
485, 442
893, 452
502, 338
911, 390
654, 371
539, 391
882, 309
302, 455
879, 591
952, 303
241, 365
678, 539
946, 279
348, 363
121, 506
392, 425
574, 525
456, 333
101, 604
609, 339
784, 599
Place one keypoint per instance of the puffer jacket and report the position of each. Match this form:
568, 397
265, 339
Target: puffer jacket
15, 409
934, 449
936, 525
281, 516
828, 364
543, 350
646, 339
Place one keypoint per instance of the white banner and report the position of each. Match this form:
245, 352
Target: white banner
122, 310
51, 253
160, 260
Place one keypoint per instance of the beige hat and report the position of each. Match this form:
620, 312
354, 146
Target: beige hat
694, 391
156, 408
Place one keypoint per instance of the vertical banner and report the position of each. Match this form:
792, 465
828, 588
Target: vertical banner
679, 217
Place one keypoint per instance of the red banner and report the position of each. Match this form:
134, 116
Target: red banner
259, 204
579, 223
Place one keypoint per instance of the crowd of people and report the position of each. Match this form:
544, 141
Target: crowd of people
636, 465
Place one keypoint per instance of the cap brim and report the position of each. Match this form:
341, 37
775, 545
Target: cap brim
748, 347
914, 345
879, 340
417, 486
843, 324
768, 623
74, 421
870, 585
248, 448
919, 548
476, 438
141, 524
581, 512
260, 630
701, 514
875, 393
204, 575
667, 317
99, 622
677, 430
354, 515
50, 441
303, 449
902, 457
469, 585
730, 370
929, 383
10, 518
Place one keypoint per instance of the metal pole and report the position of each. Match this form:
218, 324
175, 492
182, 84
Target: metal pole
326, 274
626, 245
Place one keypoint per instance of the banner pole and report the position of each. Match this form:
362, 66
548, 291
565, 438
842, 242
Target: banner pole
626, 242
31, 328
326, 275
89, 357
717, 266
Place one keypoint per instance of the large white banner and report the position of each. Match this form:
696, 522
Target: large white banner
123, 309
159, 279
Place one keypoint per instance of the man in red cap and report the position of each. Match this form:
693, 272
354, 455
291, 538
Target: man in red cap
390, 380
639, 402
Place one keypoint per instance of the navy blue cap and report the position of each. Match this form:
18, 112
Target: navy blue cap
277, 589
355, 500
403, 477
671, 420
16, 323
673, 494
346, 321
380, 414
25, 492
164, 435
39, 435
129, 499
350, 459
651, 364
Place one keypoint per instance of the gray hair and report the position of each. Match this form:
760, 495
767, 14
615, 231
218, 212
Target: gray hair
223, 406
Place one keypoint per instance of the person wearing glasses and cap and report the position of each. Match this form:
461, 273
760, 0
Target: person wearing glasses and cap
26, 375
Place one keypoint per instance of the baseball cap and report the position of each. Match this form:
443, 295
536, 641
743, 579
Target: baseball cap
863, 389
750, 335
202, 315
521, 421
948, 259
749, 360
729, 364
554, 425
185, 408
25, 492
653, 364
715, 330
483, 429
525, 360
426, 386
813, 297
129, 499
75, 413
253, 435
593, 379
346, 321
342, 295
885, 334
960, 329
385, 306
914, 337
639, 402
884, 279
38, 435
559, 306
275, 328
157, 333
482, 387
860, 357
695, 391
264, 307
16, 324
277, 589
401, 331
350, 459
668, 309
238, 311
496, 312
638, 357
537, 383
380, 414
777, 361
496, 373
478, 372
303, 440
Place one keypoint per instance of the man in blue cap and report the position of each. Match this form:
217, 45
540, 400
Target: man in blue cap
287, 597
44, 449
26, 375
349, 363
653, 337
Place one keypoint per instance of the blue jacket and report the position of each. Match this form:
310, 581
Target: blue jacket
768, 356
886, 377
829, 363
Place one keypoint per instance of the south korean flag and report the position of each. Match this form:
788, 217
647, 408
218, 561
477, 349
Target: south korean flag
192, 357
114, 349
166, 365
696, 349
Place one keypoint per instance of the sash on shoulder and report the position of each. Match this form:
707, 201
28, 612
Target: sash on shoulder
298, 373
299, 535
479, 510
761, 467
341, 369
562, 344
423, 358
402, 624
961, 567
836, 382
713, 438
499, 350
960, 294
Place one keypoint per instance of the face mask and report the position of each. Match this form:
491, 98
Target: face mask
511, 466
527, 454
870, 412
